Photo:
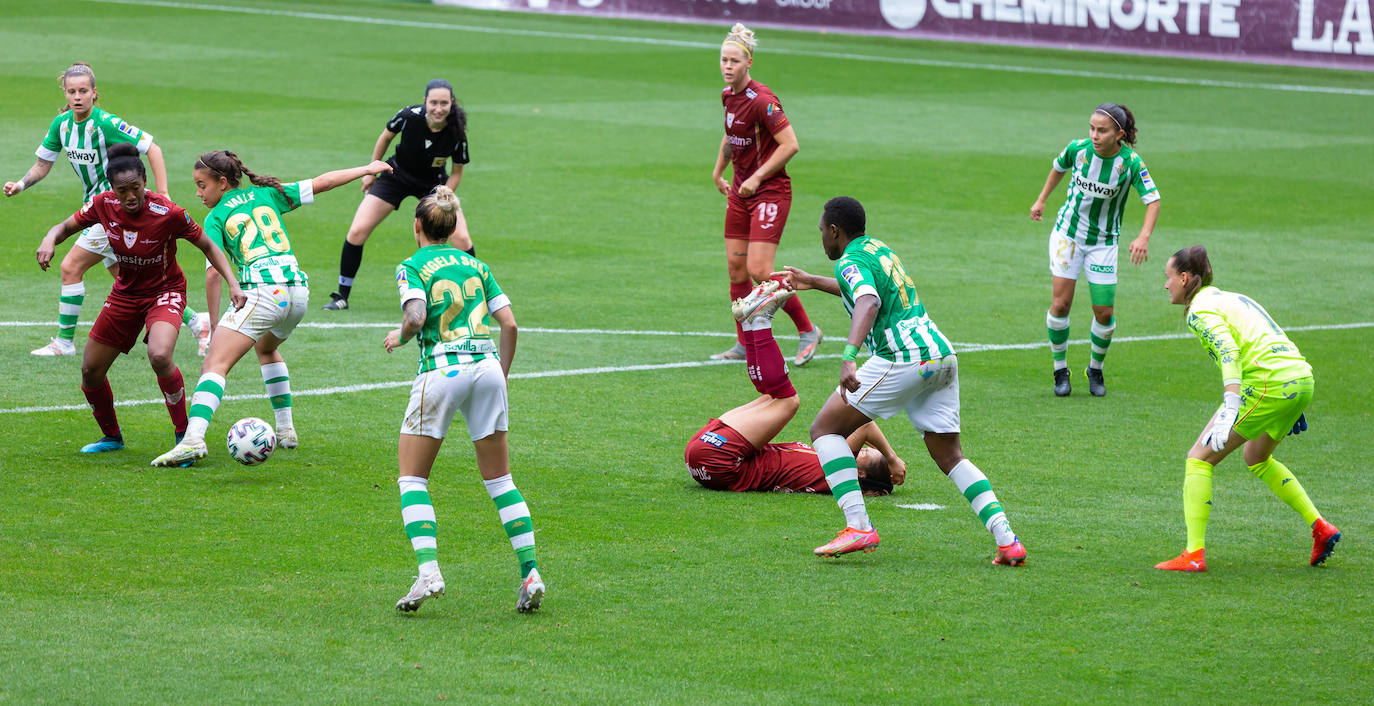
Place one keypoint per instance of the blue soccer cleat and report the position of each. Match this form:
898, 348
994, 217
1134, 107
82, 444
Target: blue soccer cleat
106, 443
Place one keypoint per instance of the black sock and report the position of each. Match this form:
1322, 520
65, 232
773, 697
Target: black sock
349, 262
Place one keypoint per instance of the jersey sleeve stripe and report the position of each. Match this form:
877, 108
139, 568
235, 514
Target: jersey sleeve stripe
498, 302
412, 294
864, 289
307, 188
46, 154
144, 143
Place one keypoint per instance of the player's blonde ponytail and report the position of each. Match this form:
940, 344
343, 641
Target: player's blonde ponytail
742, 37
438, 213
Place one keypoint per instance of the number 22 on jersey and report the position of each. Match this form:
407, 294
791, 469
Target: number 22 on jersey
459, 298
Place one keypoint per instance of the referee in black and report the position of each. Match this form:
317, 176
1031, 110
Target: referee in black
431, 134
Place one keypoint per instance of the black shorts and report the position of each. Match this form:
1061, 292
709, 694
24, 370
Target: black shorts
393, 188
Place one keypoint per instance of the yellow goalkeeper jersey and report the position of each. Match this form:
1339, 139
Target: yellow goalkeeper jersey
1243, 339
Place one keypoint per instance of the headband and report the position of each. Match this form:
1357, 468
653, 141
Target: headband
747, 51
1114, 112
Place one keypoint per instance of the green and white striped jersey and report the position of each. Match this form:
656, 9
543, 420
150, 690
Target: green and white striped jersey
1097, 195
85, 143
460, 293
246, 224
902, 332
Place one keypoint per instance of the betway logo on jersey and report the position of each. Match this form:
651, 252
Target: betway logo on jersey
80, 156
1095, 188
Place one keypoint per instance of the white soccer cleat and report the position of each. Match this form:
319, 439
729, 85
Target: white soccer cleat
286, 438
531, 593
762, 300
56, 347
182, 453
200, 326
427, 586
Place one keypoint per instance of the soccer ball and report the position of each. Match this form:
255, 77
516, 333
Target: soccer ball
251, 441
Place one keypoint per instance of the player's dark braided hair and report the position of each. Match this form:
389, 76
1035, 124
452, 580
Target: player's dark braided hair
847, 213
1193, 260
123, 157
1121, 115
223, 163
457, 119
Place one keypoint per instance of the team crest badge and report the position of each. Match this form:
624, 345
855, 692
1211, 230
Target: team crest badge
129, 237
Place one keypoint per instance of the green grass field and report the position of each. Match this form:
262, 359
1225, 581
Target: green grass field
589, 194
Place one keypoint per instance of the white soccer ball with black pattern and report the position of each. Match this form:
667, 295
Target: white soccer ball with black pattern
251, 441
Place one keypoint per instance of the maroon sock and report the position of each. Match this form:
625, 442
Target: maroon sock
737, 290
794, 309
769, 366
101, 400
174, 395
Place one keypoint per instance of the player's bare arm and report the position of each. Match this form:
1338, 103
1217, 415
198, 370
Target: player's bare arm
786, 150
799, 280
865, 312
412, 320
505, 318
1037, 211
1140, 247
55, 236
339, 177
221, 266
34, 175
378, 151
158, 168
722, 159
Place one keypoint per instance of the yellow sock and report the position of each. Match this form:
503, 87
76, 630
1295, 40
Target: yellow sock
1286, 486
1197, 500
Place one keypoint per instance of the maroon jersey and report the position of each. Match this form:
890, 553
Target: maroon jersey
718, 457
752, 116
144, 242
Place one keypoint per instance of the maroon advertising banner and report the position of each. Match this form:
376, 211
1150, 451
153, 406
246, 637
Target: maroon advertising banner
1327, 33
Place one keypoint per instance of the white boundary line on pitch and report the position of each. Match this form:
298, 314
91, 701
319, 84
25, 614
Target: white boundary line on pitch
961, 347
1175, 80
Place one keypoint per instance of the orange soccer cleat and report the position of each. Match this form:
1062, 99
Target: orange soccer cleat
1187, 561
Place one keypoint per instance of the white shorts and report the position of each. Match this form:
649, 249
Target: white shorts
928, 392
477, 390
95, 240
271, 308
1068, 258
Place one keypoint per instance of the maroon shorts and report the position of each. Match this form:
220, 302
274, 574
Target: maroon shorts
715, 454
122, 318
759, 218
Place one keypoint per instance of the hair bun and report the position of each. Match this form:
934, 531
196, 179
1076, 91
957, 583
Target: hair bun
121, 149
445, 199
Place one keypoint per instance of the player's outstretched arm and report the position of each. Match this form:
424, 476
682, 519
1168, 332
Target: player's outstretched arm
34, 175
378, 151
505, 318
159, 167
339, 177
55, 236
797, 279
1037, 210
221, 265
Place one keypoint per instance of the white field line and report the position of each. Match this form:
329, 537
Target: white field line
345, 389
920, 506
910, 61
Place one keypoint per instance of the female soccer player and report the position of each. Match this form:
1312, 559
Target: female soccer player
735, 451
149, 290
758, 142
431, 134
1267, 385
83, 131
247, 223
448, 299
1086, 231
913, 371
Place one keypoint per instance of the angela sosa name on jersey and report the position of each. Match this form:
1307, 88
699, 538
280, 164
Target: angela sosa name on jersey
1095, 188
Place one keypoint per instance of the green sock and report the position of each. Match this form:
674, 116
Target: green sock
418, 515
1101, 337
188, 315
204, 401
69, 309
1282, 482
1197, 500
1058, 327
515, 517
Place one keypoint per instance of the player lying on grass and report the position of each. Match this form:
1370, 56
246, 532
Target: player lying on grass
1267, 385
734, 452
913, 371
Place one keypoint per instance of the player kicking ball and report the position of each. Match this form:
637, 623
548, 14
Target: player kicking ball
913, 370
734, 452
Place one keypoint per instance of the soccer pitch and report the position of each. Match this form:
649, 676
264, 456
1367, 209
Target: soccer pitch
589, 194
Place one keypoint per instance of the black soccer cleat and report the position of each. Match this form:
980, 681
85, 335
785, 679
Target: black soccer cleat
336, 302
1096, 385
1062, 388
